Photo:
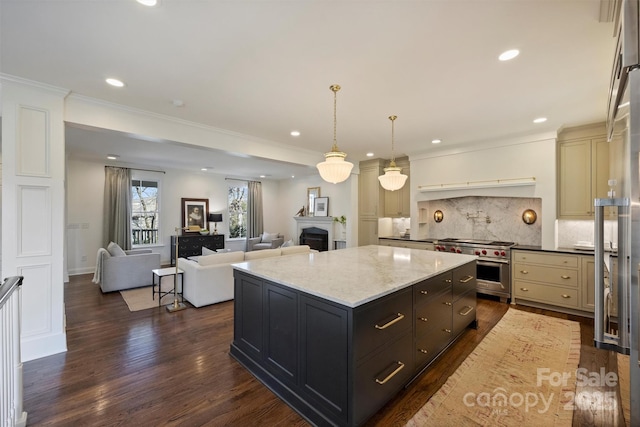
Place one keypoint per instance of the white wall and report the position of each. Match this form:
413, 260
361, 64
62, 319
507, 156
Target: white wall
534, 156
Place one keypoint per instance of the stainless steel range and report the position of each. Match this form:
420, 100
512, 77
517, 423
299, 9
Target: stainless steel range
493, 271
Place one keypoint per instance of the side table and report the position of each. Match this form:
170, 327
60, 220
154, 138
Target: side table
159, 273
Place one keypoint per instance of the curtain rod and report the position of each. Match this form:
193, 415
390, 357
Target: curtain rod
136, 169
241, 180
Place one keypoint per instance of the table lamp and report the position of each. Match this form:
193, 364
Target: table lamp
215, 218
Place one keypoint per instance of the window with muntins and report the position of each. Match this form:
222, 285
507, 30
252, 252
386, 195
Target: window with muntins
237, 204
145, 211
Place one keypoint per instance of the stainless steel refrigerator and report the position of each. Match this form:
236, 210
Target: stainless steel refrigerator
623, 126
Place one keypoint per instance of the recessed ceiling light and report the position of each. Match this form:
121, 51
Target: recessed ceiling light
295, 133
263, 176
178, 103
436, 141
115, 82
540, 120
369, 154
203, 169
509, 54
112, 157
293, 176
148, 2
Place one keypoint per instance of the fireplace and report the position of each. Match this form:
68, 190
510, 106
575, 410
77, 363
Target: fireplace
316, 238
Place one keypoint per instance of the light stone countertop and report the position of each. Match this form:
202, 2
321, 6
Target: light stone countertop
354, 276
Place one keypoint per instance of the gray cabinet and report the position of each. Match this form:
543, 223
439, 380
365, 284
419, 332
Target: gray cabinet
338, 365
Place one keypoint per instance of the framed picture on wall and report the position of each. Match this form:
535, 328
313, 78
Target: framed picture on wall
321, 206
194, 214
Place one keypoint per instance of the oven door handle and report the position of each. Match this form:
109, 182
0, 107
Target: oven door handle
492, 262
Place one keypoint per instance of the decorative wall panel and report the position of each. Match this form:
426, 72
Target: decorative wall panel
33, 142
34, 220
36, 288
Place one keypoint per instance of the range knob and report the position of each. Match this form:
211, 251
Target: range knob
477, 252
484, 252
458, 251
496, 253
453, 249
503, 253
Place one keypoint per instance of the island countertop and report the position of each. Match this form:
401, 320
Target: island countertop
354, 276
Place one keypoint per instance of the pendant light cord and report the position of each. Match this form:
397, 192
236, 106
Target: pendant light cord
335, 89
393, 156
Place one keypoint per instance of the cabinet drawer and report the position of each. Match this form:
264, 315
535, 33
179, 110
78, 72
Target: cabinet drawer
569, 261
546, 294
431, 287
430, 344
381, 376
551, 275
434, 316
383, 321
464, 312
464, 279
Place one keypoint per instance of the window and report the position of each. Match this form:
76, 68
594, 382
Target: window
145, 209
237, 201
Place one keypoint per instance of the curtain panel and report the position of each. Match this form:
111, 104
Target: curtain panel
255, 224
117, 206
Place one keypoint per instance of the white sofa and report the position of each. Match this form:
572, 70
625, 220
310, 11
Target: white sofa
210, 279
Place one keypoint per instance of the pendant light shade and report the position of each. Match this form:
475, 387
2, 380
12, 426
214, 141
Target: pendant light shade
392, 179
334, 169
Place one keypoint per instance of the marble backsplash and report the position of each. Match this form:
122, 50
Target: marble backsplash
484, 218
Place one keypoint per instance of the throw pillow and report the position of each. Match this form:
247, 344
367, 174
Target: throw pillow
207, 251
287, 243
115, 250
268, 237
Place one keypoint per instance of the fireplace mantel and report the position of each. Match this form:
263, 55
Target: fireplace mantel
324, 222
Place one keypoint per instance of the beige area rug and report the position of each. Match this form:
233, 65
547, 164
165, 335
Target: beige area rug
512, 378
140, 298
624, 383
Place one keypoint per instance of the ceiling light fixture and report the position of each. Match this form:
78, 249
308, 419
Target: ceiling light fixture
295, 133
149, 3
436, 141
334, 169
370, 154
540, 120
509, 54
112, 156
392, 179
115, 82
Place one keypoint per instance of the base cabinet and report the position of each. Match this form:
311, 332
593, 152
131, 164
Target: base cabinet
338, 365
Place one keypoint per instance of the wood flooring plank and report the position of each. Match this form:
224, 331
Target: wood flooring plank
153, 367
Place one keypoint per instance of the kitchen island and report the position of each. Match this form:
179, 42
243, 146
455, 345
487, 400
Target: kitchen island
336, 334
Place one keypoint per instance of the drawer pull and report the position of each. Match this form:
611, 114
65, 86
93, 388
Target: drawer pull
566, 296
466, 279
398, 318
565, 277
467, 311
524, 289
424, 319
424, 292
447, 303
446, 330
524, 272
423, 351
392, 374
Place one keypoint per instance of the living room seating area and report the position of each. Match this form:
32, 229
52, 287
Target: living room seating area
265, 241
117, 269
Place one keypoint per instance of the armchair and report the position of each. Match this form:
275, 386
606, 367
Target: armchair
132, 270
265, 241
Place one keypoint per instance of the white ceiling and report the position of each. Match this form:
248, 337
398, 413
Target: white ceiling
264, 67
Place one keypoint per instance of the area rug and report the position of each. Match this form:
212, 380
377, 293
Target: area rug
624, 383
522, 373
140, 298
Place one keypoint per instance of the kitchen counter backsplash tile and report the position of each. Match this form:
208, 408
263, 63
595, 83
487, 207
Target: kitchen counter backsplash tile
571, 232
484, 218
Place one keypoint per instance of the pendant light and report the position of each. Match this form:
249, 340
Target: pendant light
392, 179
334, 169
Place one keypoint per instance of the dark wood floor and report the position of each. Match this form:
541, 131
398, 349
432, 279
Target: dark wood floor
153, 368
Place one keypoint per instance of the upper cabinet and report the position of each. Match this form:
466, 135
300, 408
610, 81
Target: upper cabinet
396, 203
583, 170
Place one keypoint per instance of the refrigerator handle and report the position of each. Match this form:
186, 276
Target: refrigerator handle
602, 338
